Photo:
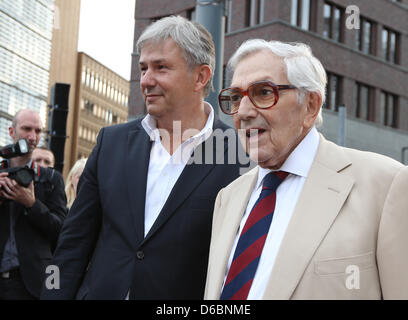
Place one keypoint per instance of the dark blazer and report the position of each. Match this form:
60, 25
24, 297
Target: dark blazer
37, 228
102, 250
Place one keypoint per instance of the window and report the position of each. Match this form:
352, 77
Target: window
109, 90
96, 83
108, 116
300, 14
191, 14
364, 36
364, 107
88, 78
89, 106
333, 21
115, 95
390, 43
83, 75
388, 109
334, 87
254, 12
92, 81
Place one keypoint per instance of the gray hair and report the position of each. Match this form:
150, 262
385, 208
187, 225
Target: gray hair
304, 70
193, 39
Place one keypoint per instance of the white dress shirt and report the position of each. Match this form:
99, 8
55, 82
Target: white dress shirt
298, 165
165, 169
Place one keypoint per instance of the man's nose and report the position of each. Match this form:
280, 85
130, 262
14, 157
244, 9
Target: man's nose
246, 109
32, 135
147, 80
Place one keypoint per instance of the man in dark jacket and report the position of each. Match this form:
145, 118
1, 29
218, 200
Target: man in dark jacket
30, 217
140, 226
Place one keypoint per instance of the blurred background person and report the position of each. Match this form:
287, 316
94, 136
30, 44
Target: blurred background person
30, 216
72, 180
44, 157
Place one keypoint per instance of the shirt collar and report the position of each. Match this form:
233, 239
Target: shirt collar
29, 163
149, 124
300, 160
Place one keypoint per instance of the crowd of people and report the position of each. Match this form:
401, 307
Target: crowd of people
158, 212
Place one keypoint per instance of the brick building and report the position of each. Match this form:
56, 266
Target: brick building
367, 66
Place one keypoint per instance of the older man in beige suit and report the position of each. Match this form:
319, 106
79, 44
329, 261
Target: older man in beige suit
313, 220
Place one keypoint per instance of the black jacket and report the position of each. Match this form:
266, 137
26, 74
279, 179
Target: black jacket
102, 250
37, 228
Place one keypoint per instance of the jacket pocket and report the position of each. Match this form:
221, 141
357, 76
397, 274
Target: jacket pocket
340, 265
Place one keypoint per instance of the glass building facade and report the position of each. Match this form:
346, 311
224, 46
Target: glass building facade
25, 53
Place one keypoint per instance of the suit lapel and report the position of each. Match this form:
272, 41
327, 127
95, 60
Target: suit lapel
323, 196
137, 165
189, 179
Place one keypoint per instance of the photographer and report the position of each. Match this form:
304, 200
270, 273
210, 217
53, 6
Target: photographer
30, 217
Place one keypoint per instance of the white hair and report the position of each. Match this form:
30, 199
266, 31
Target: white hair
303, 70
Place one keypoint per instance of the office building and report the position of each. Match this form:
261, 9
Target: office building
101, 100
25, 50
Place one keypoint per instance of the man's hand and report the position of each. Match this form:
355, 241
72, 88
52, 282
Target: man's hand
3, 175
10, 189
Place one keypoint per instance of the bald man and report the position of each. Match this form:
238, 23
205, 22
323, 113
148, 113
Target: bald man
30, 217
44, 157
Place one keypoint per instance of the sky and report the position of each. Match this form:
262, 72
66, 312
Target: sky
106, 30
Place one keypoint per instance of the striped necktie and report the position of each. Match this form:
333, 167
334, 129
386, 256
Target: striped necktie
252, 239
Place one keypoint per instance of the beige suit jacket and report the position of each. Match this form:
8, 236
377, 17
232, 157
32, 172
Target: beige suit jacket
352, 211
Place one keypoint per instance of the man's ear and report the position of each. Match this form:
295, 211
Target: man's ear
313, 103
203, 75
11, 132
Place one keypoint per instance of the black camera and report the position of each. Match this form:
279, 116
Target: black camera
22, 175
15, 150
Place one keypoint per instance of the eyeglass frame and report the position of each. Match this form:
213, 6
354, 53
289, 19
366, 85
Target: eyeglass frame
275, 87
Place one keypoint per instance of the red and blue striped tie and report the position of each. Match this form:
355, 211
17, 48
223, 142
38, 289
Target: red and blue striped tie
252, 239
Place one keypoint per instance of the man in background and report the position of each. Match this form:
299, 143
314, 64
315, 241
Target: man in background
44, 157
30, 217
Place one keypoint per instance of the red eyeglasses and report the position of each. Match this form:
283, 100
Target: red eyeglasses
263, 95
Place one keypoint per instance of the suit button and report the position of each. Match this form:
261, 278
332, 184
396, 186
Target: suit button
140, 255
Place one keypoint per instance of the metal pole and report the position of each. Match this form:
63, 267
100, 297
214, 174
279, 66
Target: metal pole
211, 14
403, 150
341, 133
